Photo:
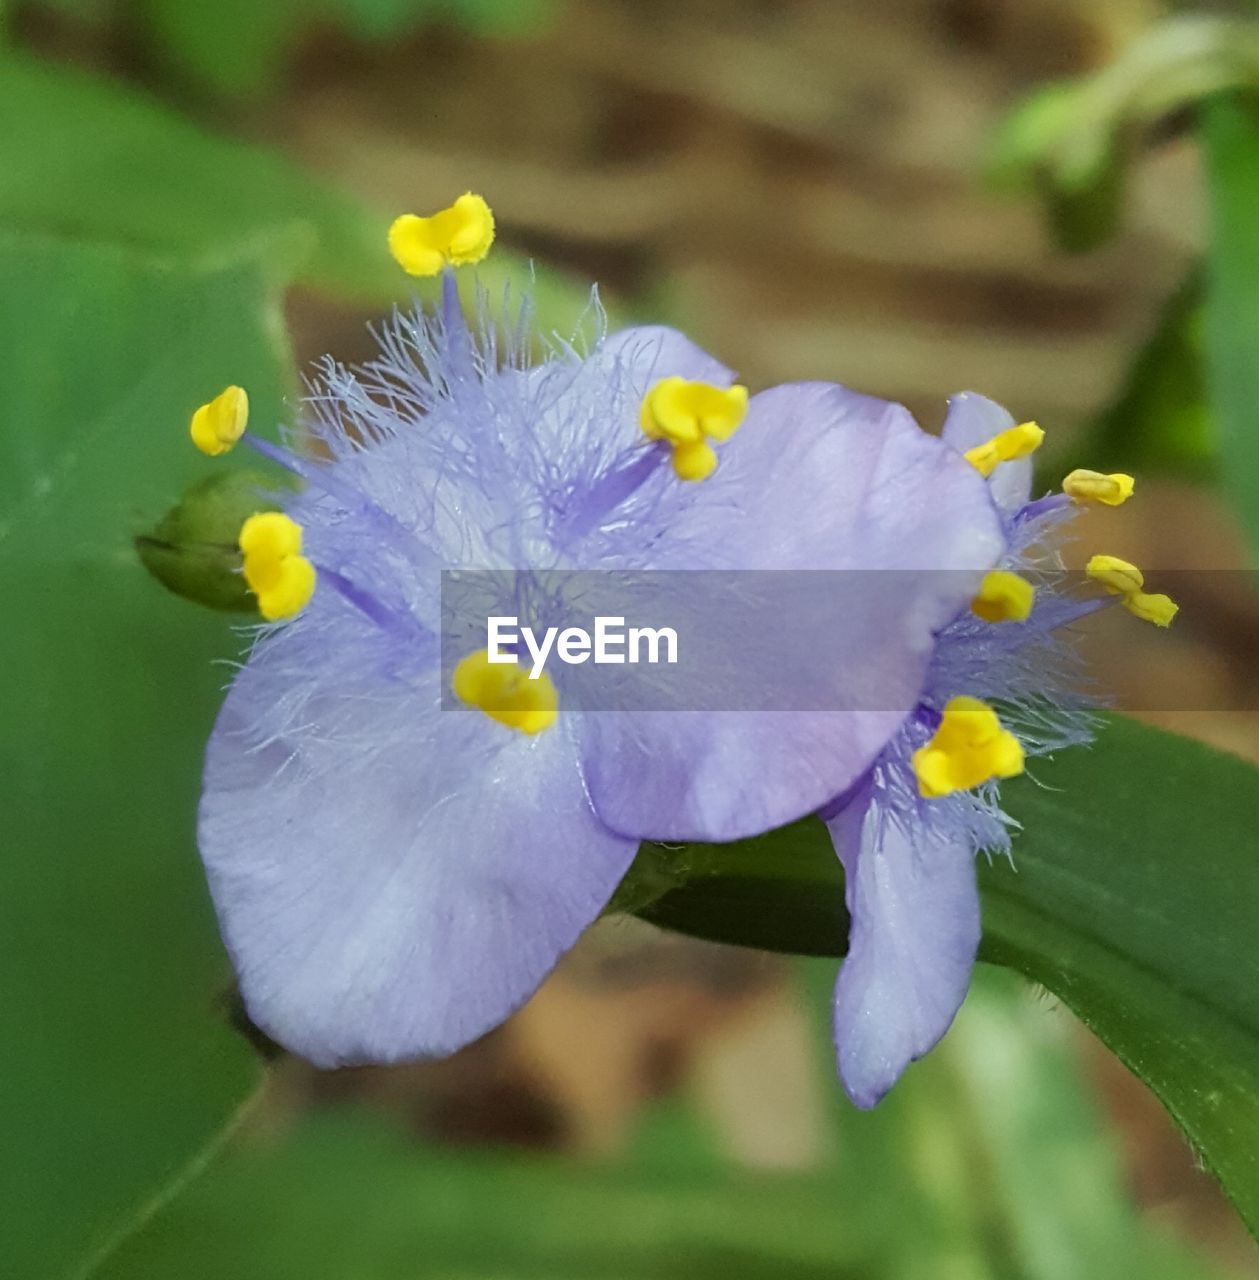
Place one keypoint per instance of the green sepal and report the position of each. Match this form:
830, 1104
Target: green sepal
193, 550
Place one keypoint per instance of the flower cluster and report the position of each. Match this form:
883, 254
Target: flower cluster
392, 879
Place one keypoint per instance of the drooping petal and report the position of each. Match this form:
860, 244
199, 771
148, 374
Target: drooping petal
972, 419
914, 905
817, 478
392, 879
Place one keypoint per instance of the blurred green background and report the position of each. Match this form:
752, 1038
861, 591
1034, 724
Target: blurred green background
193, 194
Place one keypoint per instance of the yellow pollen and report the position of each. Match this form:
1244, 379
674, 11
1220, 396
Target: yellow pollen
216, 426
970, 747
689, 414
1156, 608
459, 235
1118, 576
505, 693
275, 570
1123, 579
696, 460
1017, 442
1003, 597
1092, 486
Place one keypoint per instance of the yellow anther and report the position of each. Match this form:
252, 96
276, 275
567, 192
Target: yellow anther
682, 412
1003, 597
688, 415
216, 426
694, 461
276, 571
1016, 442
1092, 486
1118, 576
458, 235
505, 693
968, 748
1158, 609
1123, 579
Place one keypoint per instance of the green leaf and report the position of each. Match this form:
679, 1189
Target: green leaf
989, 1158
1134, 900
232, 48
1074, 142
494, 17
1161, 421
344, 1198
987, 1162
1059, 145
1231, 141
83, 157
193, 549
143, 176
117, 1061
381, 19
238, 48
90, 12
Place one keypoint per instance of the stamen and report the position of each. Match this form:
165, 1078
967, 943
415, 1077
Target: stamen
275, 570
696, 460
217, 425
1003, 597
1123, 579
1152, 607
458, 235
1118, 576
687, 415
1039, 507
969, 748
504, 691
1016, 442
1092, 486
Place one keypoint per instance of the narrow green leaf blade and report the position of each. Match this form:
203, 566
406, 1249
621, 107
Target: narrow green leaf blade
344, 1198
1160, 422
1231, 142
1134, 896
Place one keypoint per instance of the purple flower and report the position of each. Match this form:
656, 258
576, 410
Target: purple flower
392, 879
907, 840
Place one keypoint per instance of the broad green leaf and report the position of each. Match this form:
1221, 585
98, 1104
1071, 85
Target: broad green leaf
117, 1063
84, 157
143, 176
1134, 900
1231, 140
